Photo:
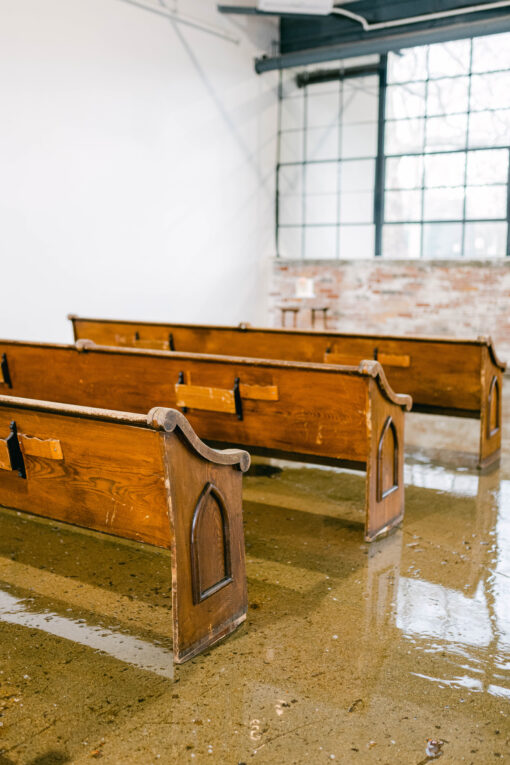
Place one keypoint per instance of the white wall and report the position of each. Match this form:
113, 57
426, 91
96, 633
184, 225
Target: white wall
136, 166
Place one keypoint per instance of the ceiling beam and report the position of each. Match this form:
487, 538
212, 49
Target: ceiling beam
372, 43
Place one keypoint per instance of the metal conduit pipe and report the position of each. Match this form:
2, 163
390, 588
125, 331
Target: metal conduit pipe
369, 27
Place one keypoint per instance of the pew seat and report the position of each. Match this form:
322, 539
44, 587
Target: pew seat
147, 478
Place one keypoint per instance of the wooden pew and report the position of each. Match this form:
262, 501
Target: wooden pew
443, 375
143, 477
321, 413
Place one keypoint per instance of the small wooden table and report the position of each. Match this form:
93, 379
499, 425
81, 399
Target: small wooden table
285, 309
318, 309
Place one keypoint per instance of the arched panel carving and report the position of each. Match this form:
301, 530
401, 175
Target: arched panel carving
211, 567
387, 460
493, 408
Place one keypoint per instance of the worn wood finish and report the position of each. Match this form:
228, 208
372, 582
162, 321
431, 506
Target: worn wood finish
322, 413
138, 477
442, 375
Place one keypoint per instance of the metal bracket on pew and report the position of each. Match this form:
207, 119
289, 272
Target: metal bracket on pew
5, 376
237, 399
181, 381
171, 346
11, 456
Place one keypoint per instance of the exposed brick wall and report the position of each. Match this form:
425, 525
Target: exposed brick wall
423, 297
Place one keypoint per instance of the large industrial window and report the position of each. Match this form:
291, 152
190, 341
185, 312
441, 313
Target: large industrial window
410, 160
327, 159
446, 144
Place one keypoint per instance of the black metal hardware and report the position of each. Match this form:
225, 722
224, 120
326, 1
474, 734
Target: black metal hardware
182, 382
171, 346
4, 366
376, 353
15, 453
137, 336
237, 399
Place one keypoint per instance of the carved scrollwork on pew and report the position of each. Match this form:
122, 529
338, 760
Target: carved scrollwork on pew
387, 460
493, 408
211, 567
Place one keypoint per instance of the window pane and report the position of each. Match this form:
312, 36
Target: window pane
320, 242
487, 167
445, 169
289, 84
490, 128
291, 146
321, 177
289, 242
443, 204
323, 88
290, 209
321, 208
486, 202
405, 100
322, 110
357, 175
322, 143
490, 91
402, 205
409, 65
357, 207
485, 240
444, 133
357, 241
404, 172
491, 53
404, 136
360, 101
359, 140
449, 58
292, 113
290, 179
402, 241
448, 96
442, 240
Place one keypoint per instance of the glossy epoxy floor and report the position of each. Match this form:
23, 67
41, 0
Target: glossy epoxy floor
352, 652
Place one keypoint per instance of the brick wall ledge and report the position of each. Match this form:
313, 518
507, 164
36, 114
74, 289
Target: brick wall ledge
503, 261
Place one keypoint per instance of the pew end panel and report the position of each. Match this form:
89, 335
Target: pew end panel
384, 496
491, 405
209, 595
147, 478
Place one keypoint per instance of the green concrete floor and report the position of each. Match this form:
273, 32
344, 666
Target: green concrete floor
351, 652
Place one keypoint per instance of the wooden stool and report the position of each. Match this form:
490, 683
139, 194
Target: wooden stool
294, 309
317, 309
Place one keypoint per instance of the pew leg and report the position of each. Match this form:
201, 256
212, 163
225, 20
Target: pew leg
490, 416
384, 497
209, 597
489, 453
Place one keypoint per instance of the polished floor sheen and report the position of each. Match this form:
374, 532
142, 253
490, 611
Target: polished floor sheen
396, 652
